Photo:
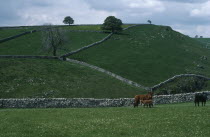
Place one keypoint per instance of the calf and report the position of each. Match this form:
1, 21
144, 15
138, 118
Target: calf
148, 103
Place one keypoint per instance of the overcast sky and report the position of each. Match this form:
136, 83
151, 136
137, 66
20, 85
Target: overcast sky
191, 17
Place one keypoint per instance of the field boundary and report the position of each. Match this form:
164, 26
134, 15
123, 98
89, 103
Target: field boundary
91, 102
16, 36
86, 47
108, 73
95, 43
29, 56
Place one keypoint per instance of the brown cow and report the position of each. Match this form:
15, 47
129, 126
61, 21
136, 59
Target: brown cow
137, 98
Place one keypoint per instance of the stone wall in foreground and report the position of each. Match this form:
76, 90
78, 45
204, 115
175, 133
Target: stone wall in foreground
90, 102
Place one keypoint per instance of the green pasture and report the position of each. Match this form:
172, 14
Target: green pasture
31, 44
148, 54
176, 120
22, 78
5, 33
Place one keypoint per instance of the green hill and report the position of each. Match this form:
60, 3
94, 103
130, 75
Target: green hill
31, 44
148, 54
21, 78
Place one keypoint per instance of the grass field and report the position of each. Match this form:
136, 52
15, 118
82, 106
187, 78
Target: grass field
32, 44
4, 33
148, 54
21, 78
177, 120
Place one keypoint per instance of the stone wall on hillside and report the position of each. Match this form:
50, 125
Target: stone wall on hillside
28, 56
88, 46
16, 36
91, 102
127, 81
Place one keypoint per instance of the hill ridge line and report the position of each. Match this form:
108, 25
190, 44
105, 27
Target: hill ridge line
108, 73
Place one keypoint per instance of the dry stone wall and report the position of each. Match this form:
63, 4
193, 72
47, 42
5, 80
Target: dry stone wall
28, 56
90, 102
16, 36
108, 73
88, 46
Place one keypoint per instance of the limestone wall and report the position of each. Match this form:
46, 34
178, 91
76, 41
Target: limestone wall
28, 56
90, 102
108, 73
16, 36
88, 46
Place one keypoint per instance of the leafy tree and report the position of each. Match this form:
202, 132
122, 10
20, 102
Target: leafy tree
149, 21
53, 39
113, 24
68, 20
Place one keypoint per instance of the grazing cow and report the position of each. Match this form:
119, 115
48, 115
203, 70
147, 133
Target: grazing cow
200, 97
137, 98
148, 103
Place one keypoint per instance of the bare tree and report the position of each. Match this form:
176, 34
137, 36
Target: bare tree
53, 39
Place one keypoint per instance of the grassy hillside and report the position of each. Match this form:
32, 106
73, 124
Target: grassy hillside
178, 120
21, 78
32, 44
4, 33
204, 41
149, 54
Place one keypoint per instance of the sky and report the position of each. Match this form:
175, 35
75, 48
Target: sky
190, 17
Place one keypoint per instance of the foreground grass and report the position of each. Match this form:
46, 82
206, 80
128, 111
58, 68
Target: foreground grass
180, 120
21, 78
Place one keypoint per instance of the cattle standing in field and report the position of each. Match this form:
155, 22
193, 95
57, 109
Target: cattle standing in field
138, 98
148, 103
200, 97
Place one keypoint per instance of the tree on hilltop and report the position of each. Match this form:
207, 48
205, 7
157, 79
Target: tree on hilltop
68, 20
113, 24
149, 21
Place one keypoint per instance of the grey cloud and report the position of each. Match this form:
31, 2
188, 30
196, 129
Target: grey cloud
164, 12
